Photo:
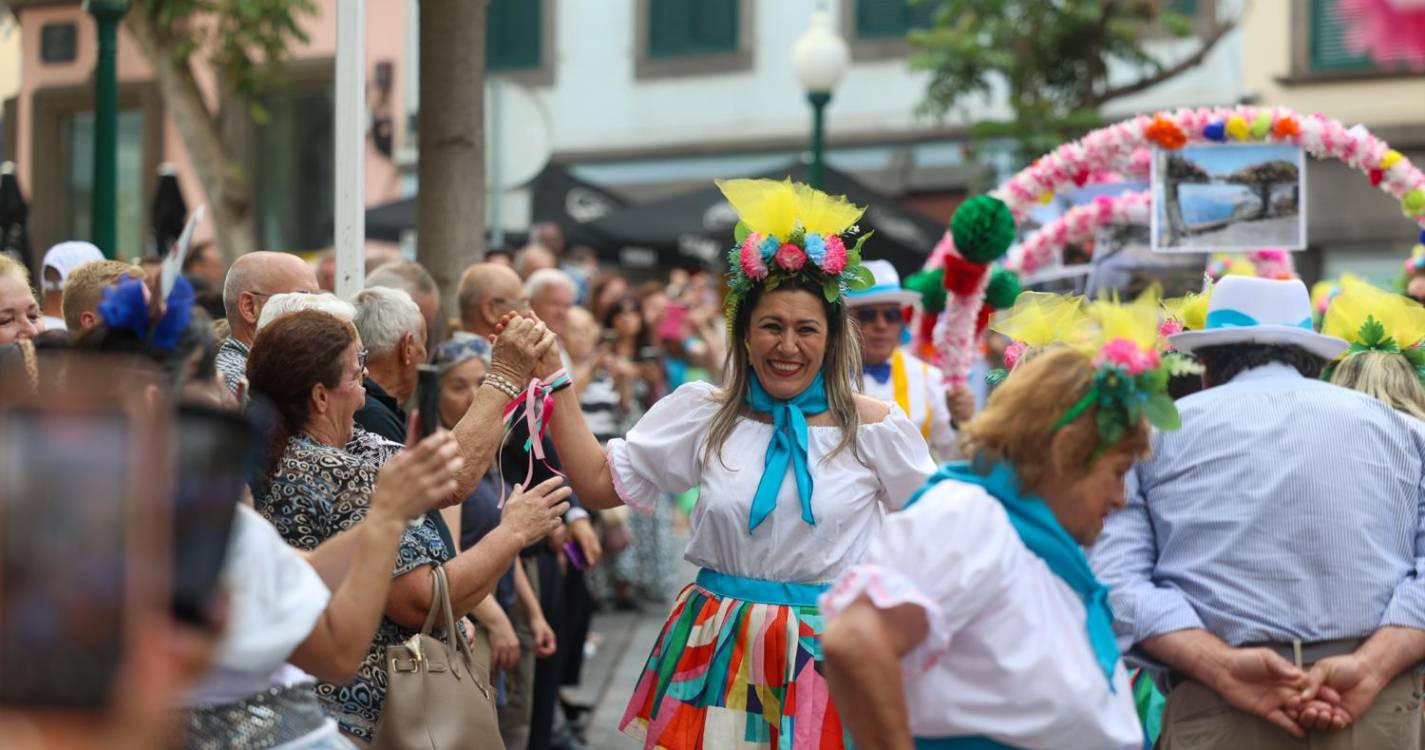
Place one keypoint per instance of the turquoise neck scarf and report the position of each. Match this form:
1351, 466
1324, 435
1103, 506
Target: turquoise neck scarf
1041, 533
788, 446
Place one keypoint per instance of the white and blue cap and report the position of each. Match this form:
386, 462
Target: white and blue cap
885, 291
1247, 310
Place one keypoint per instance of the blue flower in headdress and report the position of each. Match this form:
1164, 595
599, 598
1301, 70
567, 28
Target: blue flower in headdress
815, 248
769, 248
124, 307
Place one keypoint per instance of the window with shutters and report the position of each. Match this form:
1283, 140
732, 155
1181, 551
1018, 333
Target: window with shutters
512, 35
692, 37
518, 37
892, 19
687, 28
1328, 48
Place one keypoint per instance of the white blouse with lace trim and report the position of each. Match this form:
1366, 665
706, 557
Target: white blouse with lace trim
1007, 655
663, 453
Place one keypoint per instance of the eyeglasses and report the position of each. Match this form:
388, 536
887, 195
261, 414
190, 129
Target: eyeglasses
868, 315
361, 357
520, 303
274, 294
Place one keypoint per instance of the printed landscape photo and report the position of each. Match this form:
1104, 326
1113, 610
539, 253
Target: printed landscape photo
1223, 197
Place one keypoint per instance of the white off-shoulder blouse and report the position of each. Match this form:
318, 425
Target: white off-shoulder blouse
664, 453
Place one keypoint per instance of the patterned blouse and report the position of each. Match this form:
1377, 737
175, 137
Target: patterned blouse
316, 493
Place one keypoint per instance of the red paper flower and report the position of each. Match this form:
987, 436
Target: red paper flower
1285, 128
962, 276
1165, 133
790, 257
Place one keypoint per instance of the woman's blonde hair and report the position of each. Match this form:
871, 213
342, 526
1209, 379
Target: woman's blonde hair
1389, 378
1017, 425
11, 267
842, 359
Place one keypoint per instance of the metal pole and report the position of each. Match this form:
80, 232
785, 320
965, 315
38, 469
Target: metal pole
496, 181
350, 230
104, 206
818, 101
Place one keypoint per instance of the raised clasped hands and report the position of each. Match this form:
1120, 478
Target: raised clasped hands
524, 346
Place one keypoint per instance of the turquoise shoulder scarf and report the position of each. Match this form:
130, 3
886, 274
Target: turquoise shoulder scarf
1041, 533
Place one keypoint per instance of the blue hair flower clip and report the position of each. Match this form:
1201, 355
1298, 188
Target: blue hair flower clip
123, 307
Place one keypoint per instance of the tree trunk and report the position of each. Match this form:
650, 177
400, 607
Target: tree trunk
229, 195
1264, 191
450, 207
1177, 227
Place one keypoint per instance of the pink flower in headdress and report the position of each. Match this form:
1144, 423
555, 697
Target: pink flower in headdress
1128, 355
835, 261
750, 258
1169, 327
1272, 263
1013, 352
790, 257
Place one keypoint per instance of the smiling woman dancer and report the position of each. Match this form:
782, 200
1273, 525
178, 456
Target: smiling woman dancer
795, 472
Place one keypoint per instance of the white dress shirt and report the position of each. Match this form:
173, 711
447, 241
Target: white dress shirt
927, 407
1007, 656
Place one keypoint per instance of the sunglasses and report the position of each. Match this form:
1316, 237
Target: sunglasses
868, 315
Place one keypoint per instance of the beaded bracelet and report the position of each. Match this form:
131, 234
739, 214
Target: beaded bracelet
502, 384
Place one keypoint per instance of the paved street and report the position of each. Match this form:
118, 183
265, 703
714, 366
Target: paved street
610, 676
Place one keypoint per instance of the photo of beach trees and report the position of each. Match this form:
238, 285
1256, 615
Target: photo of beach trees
1217, 197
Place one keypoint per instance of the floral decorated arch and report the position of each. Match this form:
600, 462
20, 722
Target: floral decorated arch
984, 227
1079, 224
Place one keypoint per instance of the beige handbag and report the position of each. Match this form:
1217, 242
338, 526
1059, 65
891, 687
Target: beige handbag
438, 694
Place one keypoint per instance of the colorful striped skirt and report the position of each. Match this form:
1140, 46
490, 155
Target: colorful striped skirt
734, 668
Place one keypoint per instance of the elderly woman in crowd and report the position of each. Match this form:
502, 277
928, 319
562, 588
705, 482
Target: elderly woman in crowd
19, 312
309, 366
974, 620
289, 616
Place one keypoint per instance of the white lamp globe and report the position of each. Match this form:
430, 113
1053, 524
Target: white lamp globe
820, 55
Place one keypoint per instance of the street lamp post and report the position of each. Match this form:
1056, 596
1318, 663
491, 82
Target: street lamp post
104, 214
820, 56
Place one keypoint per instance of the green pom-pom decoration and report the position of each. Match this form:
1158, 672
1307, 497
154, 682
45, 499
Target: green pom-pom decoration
1003, 289
930, 285
983, 228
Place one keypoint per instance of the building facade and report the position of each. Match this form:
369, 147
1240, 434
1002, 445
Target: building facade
1296, 56
644, 97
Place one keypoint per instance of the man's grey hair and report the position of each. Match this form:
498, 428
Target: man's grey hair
285, 304
384, 316
546, 277
406, 275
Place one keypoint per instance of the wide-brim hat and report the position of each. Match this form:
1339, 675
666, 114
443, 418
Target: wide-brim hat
885, 291
1247, 310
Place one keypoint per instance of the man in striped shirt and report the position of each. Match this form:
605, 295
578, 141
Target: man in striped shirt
1270, 559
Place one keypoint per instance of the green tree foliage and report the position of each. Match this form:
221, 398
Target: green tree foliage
245, 41
1050, 56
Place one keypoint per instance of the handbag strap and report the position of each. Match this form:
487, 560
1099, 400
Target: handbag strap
440, 602
438, 594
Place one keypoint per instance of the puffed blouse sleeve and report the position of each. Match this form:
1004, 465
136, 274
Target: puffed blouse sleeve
948, 555
663, 451
898, 453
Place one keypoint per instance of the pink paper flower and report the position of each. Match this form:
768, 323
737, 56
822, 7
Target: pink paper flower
835, 261
1013, 352
790, 257
1133, 359
1168, 328
750, 258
